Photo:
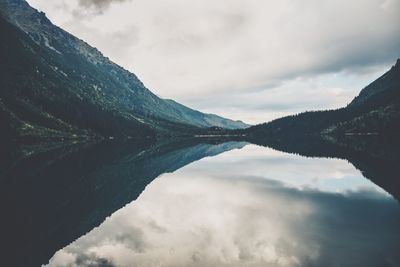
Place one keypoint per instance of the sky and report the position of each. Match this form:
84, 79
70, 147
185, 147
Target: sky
251, 60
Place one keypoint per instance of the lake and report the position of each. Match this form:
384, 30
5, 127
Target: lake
212, 204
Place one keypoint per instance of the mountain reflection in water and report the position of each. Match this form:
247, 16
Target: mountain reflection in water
251, 206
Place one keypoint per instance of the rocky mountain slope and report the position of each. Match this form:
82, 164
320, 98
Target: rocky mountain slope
56, 85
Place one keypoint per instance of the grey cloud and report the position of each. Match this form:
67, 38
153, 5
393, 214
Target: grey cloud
119, 42
92, 260
230, 47
134, 239
96, 6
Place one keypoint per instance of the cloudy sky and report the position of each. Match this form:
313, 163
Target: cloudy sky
252, 60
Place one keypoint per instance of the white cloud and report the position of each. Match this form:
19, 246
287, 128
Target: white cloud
230, 47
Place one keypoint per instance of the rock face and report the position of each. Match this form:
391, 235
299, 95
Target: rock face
54, 84
376, 110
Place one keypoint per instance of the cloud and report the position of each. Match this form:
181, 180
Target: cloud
229, 48
95, 6
92, 260
81, 260
324, 91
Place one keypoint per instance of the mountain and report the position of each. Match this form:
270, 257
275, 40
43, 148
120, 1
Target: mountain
205, 120
386, 85
56, 85
377, 106
375, 111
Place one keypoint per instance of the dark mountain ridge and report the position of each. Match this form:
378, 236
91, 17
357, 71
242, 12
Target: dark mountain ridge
376, 110
56, 85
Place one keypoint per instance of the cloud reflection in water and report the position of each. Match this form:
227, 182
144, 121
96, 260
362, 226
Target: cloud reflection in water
249, 207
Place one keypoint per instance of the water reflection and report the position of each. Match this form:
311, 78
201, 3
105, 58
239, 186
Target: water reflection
249, 207
50, 200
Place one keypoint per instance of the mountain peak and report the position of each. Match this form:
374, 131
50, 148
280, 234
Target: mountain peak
387, 82
397, 65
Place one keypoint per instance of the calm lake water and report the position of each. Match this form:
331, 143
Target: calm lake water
248, 206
